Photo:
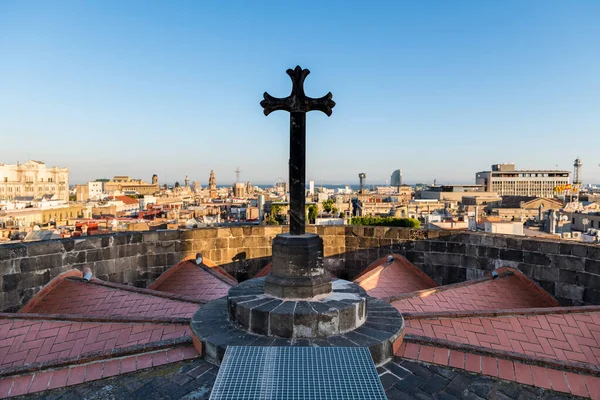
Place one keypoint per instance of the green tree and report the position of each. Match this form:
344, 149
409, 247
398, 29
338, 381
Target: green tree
328, 205
271, 220
386, 221
313, 213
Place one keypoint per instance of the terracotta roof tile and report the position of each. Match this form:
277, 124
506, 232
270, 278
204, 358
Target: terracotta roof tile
385, 279
509, 291
190, 280
87, 299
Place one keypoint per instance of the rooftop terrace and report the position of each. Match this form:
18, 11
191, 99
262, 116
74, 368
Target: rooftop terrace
531, 329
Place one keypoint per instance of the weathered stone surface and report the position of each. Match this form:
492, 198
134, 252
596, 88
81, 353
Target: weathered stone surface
341, 311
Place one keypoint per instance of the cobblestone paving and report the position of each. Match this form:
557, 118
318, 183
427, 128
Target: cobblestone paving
401, 379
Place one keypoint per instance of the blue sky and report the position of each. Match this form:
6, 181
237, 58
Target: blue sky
441, 89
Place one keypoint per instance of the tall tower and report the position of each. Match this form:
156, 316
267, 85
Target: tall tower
187, 181
155, 179
238, 171
212, 185
396, 178
362, 177
577, 172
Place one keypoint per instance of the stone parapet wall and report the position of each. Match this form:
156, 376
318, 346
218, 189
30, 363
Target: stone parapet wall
135, 258
138, 258
569, 271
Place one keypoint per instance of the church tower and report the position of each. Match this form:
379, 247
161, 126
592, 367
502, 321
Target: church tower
212, 185
187, 181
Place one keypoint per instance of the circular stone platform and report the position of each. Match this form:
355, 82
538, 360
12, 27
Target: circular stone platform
382, 330
341, 311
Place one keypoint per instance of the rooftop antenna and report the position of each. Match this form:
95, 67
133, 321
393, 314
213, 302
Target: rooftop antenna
238, 171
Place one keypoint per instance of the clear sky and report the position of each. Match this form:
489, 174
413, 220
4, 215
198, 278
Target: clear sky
441, 89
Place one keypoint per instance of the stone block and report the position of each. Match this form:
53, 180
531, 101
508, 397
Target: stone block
487, 240
591, 296
579, 250
49, 261
45, 247
588, 280
536, 258
8, 251
565, 248
545, 273
511, 255
74, 257
549, 287
223, 232
123, 264
135, 237
455, 248
500, 241
11, 281
167, 235
439, 247
572, 292
593, 252
526, 269
592, 266
474, 273
514, 243
549, 247
88, 243
568, 262
151, 237
422, 245
29, 264
110, 253
492, 252
567, 277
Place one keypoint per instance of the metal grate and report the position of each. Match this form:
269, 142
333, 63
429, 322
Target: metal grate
308, 373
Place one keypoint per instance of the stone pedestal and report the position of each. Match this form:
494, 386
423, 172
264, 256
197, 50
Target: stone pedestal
298, 271
342, 311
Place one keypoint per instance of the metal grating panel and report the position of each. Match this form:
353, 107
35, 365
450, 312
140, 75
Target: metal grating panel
309, 373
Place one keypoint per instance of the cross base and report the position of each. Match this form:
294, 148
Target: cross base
298, 271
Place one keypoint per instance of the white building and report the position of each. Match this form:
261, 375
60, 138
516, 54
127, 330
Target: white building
33, 179
505, 180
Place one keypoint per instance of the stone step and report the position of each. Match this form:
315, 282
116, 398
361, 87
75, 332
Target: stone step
382, 332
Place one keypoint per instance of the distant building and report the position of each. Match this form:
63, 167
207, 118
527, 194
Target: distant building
396, 178
311, 187
455, 192
33, 179
127, 184
505, 180
522, 208
239, 189
90, 191
212, 185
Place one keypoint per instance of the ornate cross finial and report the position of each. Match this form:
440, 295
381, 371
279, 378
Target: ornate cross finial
297, 101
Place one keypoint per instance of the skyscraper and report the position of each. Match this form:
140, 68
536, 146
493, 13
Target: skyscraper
396, 178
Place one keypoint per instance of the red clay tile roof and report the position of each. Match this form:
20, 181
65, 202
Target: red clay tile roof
190, 280
72, 375
38, 341
384, 279
505, 292
127, 200
563, 337
89, 299
578, 384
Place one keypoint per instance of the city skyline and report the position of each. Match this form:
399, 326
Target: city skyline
444, 88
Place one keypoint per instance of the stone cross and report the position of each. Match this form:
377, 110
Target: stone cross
297, 104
